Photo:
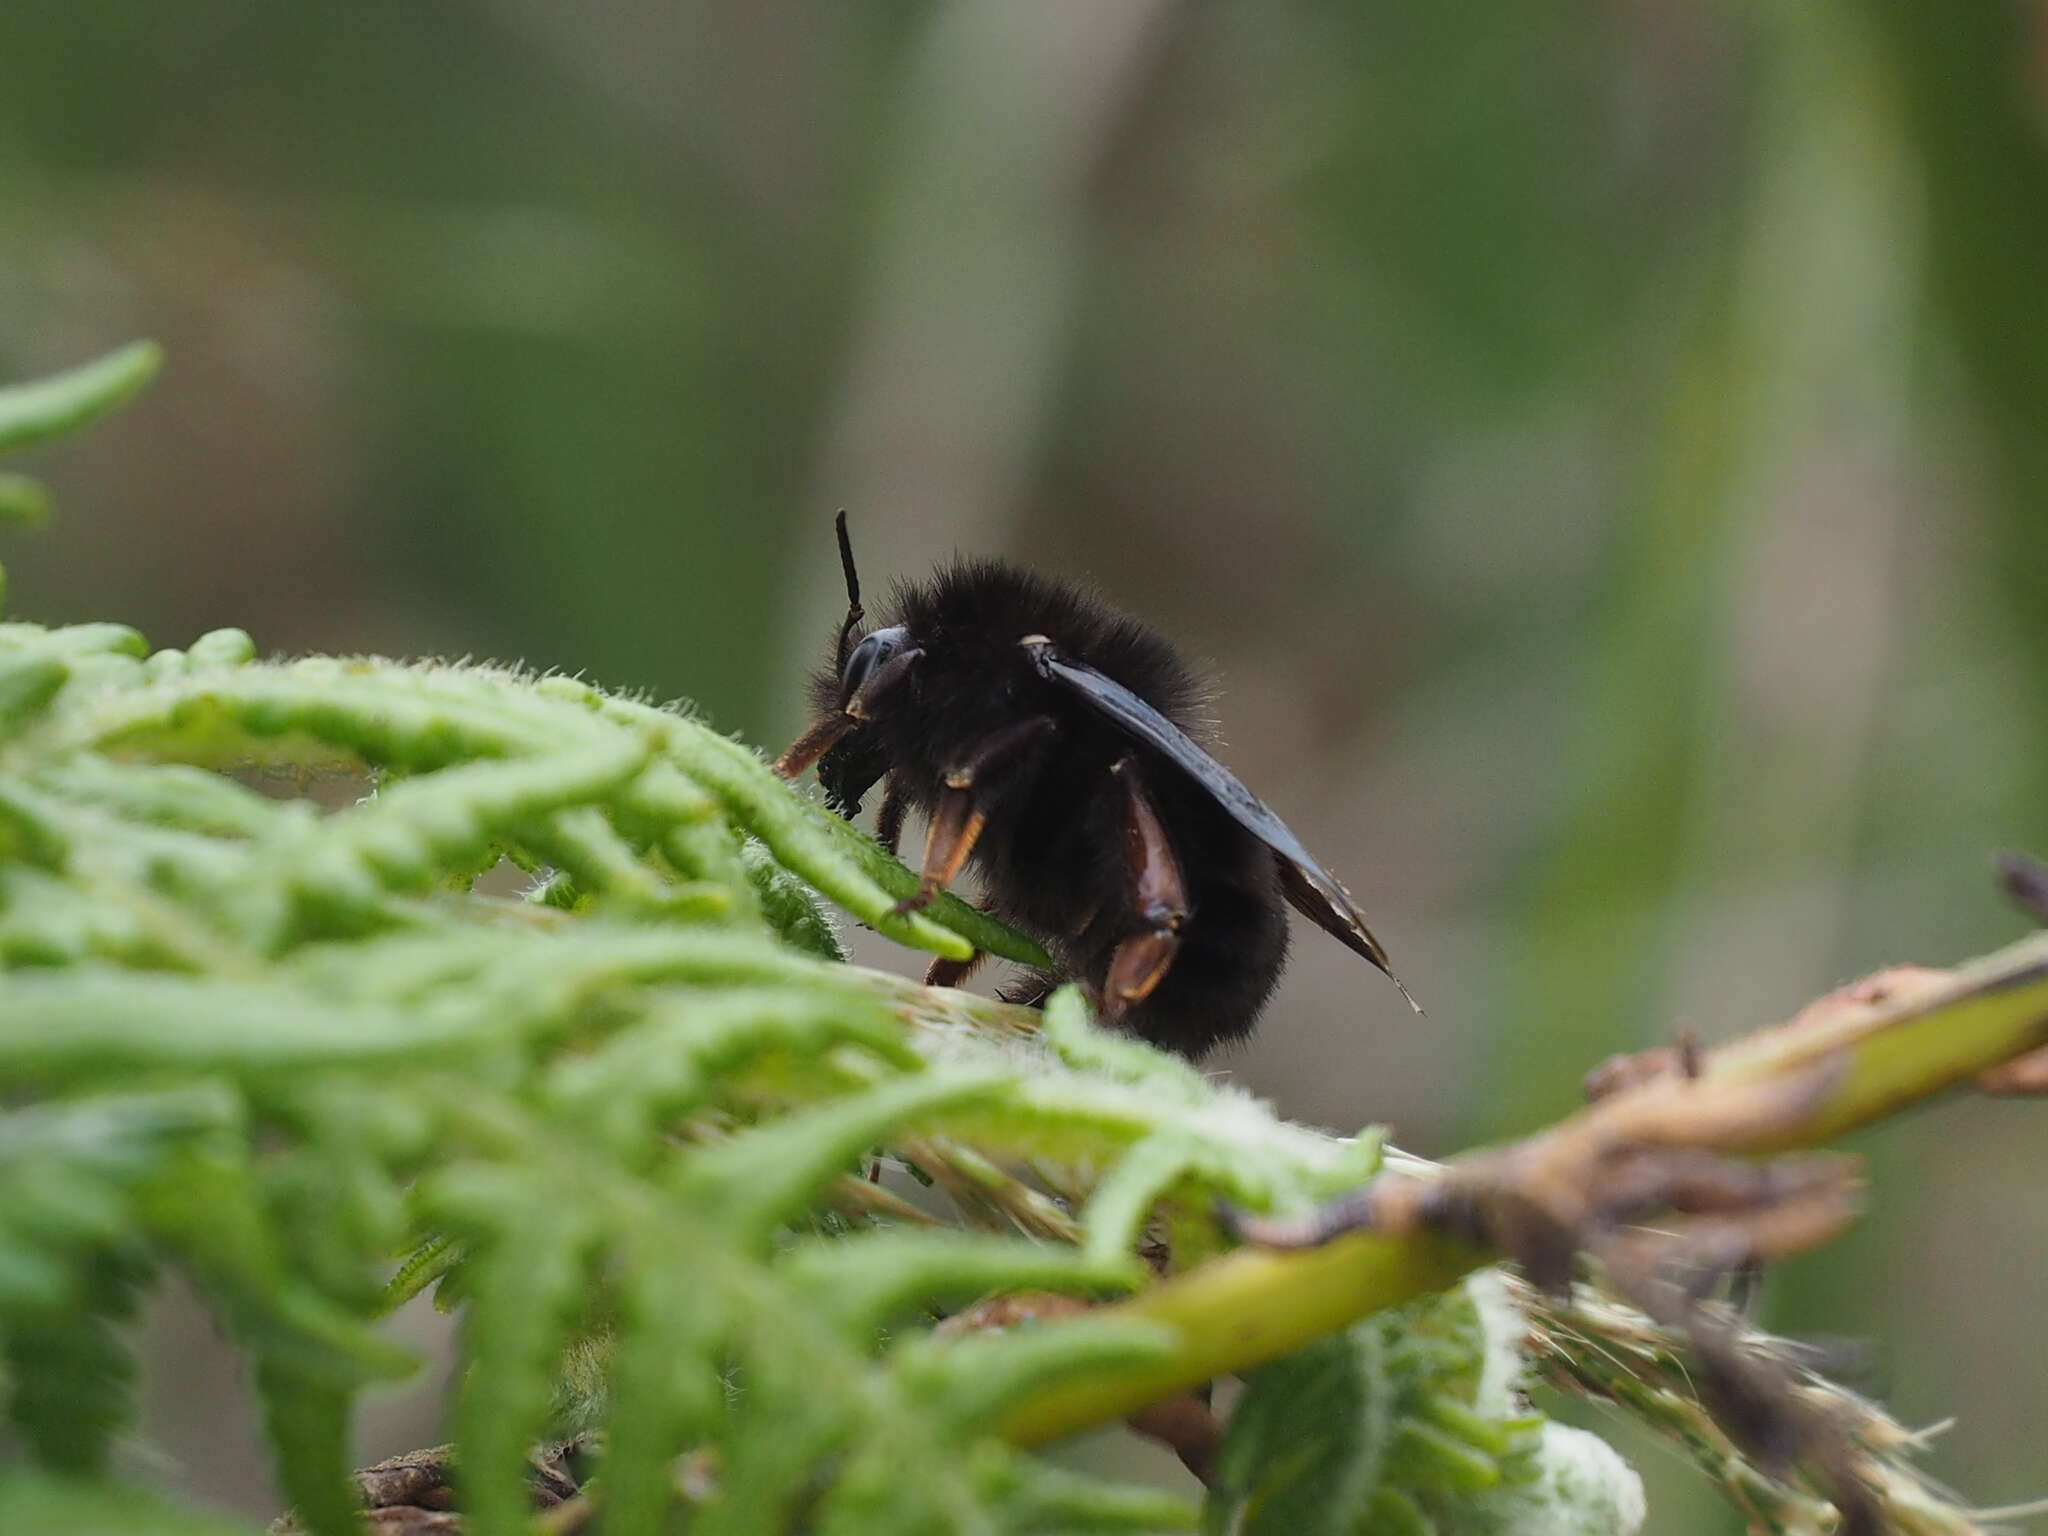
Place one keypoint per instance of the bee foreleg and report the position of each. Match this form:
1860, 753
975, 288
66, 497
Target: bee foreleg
1159, 896
821, 738
957, 821
860, 707
887, 678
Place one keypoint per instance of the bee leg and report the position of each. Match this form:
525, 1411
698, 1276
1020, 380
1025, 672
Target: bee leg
1160, 898
823, 735
856, 711
1030, 991
887, 677
957, 822
888, 832
950, 973
955, 828
889, 819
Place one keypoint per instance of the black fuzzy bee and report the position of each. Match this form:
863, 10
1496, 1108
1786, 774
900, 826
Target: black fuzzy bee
1048, 738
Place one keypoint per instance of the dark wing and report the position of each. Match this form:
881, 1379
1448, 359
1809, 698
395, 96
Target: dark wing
1312, 890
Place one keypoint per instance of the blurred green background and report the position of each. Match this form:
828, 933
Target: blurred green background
1600, 447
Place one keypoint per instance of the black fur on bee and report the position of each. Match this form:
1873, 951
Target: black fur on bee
1054, 743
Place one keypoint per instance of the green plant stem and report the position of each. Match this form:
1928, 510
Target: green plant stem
1985, 1012
1255, 1305
1247, 1307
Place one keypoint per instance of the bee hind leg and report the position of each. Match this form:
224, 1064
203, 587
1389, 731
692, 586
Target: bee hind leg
1159, 899
951, 973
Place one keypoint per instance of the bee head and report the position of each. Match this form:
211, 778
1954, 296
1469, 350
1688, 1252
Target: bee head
862, 662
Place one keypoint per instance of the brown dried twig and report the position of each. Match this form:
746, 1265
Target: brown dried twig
1648, 1184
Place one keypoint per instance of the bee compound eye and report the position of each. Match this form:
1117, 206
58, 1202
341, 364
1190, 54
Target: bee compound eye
872, 651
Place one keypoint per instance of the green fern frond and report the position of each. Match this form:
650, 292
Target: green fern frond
866, 1280
606, 1110
304, 1058
61, 404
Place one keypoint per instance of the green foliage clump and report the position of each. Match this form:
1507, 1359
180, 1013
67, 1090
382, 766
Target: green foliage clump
1410, 1423
295, 1047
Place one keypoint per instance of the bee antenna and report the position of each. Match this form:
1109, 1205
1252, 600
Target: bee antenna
854, 612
